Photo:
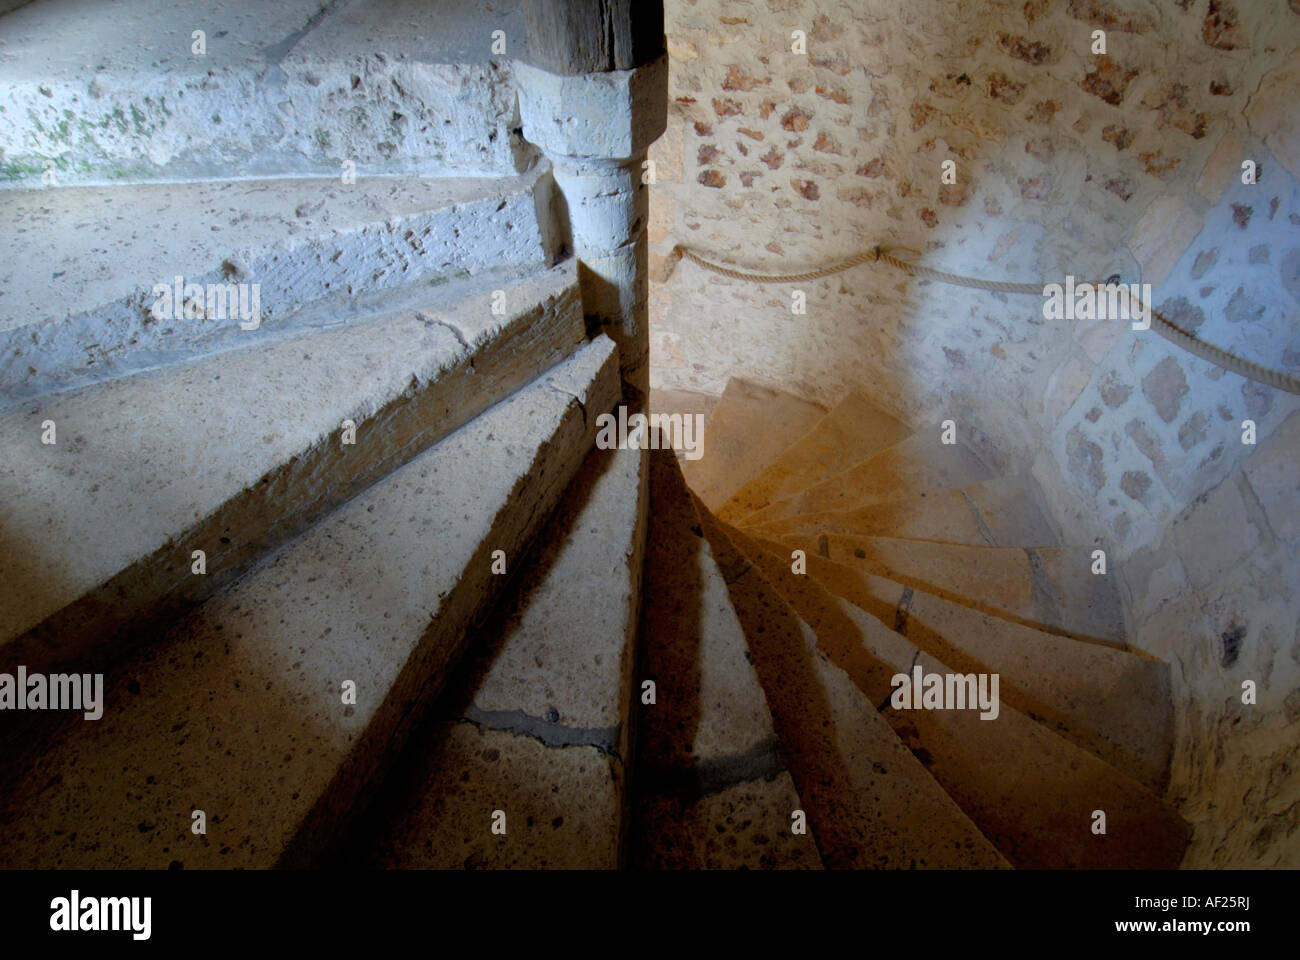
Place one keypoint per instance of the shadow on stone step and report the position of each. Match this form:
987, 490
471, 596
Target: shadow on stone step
801, 712
667, 770
402, 796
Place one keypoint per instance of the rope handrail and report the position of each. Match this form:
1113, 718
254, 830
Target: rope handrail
1163, 325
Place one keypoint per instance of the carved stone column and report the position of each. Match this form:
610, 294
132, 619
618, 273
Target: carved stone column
595, 127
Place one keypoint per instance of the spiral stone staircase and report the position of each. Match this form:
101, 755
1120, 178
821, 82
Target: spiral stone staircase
771, 689
365, 592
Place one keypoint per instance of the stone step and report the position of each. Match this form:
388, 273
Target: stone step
537, 725
854, 430
1032, 793
83, 269
1113, 703
294, 88
711, 788
748, 429
869, 802
921, 462
149, 468
1049, 588
684, 403
1003, 512
242, 712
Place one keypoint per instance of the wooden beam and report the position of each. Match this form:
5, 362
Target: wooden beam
593, 36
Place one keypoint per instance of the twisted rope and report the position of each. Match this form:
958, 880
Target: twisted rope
1163, 325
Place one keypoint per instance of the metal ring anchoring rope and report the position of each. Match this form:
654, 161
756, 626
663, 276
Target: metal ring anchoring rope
1163, 326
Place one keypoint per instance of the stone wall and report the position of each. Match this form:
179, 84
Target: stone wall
1067, 163
1217, 597
296, 88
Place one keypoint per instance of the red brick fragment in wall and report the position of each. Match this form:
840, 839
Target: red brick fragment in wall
806, 189
954, 194
1158, 165
1043, 112
1119, 136
1220, 29
795, 120
829, 93
1108, 81
1002, 87
737, 79
1030, 51
826, 143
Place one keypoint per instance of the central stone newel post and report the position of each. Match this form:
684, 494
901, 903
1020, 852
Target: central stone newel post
593, 95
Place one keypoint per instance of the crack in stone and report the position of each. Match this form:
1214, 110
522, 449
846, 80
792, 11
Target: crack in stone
455, 331
575, 398
902, 611
916, 657
1255, 512
276, 52
985, 531
1046, 600
604, 739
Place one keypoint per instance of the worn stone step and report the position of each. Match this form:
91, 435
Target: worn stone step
537, 725
79, 265
241, 711
921, 462
292, 88
684, 403
869, 802
854, 430
1113, 703
147, 469
748, 429
1032, 793
711, 788
1048, 588
1003, 512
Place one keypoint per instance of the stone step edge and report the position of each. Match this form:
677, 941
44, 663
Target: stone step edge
811, 524
300, 279
738, 564
459, 702
1051, 717
1126, 782
319, 837
795, 542
411, 681
153, 590
730, 514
